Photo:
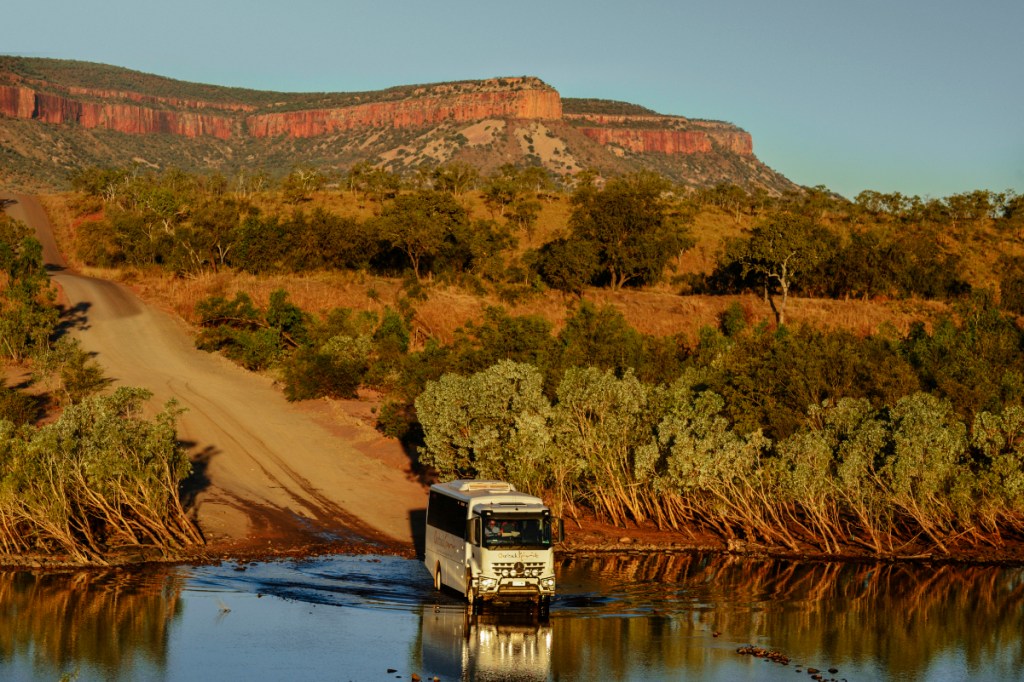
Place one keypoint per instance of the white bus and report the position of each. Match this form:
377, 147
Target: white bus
490, 542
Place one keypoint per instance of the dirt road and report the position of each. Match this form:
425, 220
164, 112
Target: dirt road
268, 472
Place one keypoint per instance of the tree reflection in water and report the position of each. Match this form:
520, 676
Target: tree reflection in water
629, 616
899, 618
101, 619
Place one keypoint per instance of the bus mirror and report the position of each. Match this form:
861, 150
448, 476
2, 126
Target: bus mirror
559, 530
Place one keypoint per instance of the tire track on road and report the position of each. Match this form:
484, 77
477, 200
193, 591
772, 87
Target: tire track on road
258, 453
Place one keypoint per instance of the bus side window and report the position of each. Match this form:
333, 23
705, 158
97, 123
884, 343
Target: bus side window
473, 530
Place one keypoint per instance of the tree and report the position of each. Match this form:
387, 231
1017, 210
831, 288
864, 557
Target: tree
98, 478
536, 179
211, 232
476, 247
970, 207
300, 184
605, 427
501, 190
417, 224
568, 265
493, 424
28, 317
246, 186
634, 226
781, 250
1011, 283
374, 183
261, 245
455, 178
1013, 209
524, 215
72, 372
600, 337
726, 196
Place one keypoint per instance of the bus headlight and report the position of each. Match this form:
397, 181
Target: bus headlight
488, 584
504, 573
548, 583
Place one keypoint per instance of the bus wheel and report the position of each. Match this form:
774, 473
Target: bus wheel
437, 577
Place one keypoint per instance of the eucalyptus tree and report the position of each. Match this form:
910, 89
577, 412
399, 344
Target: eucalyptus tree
418, 223
779, 252
634, 226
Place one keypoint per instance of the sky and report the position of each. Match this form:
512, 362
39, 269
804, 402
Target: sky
922, 97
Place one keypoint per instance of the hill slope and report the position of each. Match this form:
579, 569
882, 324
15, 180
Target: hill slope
58, 116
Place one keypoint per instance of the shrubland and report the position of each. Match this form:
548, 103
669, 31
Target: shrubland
82, 475
508, 324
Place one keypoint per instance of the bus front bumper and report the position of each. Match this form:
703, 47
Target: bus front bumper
515, 588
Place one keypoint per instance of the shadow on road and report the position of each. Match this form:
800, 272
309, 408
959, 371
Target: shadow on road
75, 318
197, 481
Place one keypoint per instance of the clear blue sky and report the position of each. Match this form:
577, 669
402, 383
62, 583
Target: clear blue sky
922, 97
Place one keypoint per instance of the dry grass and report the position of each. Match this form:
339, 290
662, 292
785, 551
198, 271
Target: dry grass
447, 308
658, 311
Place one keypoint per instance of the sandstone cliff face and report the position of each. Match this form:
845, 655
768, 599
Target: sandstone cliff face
542, 104
647, 140
17, 102
153, 99
512, 98
420, 107
663, 134
23, 102
596, 134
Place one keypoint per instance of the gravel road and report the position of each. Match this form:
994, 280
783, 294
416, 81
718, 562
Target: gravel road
267, 471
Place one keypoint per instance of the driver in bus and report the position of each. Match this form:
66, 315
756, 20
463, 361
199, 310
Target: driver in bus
493, 530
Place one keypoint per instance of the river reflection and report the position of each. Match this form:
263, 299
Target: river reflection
489, 646
872, 621
616, 617
51, 623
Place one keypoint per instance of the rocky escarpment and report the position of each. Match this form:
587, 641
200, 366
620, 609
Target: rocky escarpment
505, 98
57, 116
19, 101
517, 98
663, 134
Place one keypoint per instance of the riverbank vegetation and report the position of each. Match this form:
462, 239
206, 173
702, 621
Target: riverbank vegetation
82, 475
894, 436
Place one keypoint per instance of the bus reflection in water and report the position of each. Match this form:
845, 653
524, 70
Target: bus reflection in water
459, 644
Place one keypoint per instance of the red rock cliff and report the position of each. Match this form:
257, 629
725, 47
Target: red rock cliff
651, 140
542, 104
497, 98
413, 107
23, 102
17, 102
663, 134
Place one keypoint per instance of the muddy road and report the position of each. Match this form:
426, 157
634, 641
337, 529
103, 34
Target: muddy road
268, 473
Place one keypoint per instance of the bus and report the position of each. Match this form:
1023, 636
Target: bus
490, 542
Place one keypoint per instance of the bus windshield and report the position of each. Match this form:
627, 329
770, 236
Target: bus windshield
528, 532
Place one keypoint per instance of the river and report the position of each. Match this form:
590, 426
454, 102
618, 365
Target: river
617, 617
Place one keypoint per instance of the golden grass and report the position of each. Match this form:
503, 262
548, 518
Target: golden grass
658, 311
447, 308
